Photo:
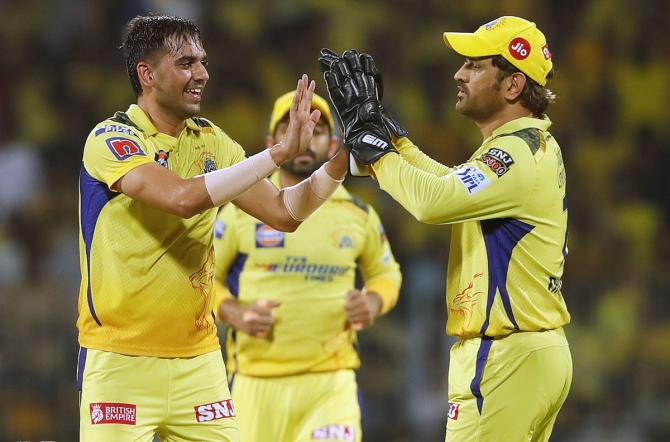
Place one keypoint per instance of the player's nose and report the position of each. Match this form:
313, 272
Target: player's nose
460, 75
200, 73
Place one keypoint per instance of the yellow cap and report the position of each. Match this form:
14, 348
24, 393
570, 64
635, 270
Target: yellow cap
283, 105
517, 40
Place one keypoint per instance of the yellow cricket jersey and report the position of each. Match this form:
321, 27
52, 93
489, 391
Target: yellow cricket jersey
309, 271
508, 244
146, 274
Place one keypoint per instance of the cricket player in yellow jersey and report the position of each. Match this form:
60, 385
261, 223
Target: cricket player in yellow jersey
511, 369
291, 305
150, 361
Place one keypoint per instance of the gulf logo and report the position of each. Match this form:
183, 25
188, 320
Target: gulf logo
267, 237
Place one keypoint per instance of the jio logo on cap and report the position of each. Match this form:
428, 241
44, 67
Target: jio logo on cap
519, 48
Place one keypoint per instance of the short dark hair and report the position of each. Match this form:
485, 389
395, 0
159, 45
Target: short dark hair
534, 97
146, 35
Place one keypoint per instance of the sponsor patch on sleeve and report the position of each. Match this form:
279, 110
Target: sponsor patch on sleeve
498, 161
472, 179
124, 148
114, 128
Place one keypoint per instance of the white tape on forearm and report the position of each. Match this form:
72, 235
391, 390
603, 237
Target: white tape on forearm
305, 197
226, 184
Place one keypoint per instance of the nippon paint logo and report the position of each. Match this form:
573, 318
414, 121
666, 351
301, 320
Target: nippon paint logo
215, 410
113, 413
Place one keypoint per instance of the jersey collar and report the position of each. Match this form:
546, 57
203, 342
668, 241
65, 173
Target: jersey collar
340, 194
141, 119
522, 123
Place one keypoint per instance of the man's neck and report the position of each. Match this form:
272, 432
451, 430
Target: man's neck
163, 121
504, 116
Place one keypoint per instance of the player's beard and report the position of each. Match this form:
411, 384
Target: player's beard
304, 169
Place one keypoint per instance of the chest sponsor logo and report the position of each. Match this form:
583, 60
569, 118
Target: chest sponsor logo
113, 413
113, 128
161, 158
267, 237
453, 411
334, 432
300, 265
123, 148
215, 410
497, 160
472, 178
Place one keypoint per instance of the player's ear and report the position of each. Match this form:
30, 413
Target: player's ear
146, 75
270, 141
515, 84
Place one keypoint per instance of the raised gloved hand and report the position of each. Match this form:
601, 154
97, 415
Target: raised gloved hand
353, 92
326, 59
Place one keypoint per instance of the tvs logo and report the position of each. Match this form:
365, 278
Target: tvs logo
519, 48
215, 410
267, 237
161, 158
453, 411
334, 432
498, 161
123, 148
113, 413
545, 52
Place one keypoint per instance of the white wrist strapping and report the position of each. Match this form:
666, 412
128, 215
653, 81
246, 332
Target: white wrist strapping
226, 184
305, 197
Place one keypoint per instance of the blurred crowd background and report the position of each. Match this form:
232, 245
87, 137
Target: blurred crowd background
61, 72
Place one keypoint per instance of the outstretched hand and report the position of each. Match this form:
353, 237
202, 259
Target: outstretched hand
302, 122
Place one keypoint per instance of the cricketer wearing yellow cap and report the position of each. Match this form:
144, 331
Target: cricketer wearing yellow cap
511, 369
292, 306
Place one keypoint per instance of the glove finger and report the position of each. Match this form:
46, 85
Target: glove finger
333, 87
353, 60
327, 58
354, 64
341, 69
325, 52
370, 68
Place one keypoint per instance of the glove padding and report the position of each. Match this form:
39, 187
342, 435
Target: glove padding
326, 60
354, 95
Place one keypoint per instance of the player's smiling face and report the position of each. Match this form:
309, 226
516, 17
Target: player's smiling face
181, 76
479, 95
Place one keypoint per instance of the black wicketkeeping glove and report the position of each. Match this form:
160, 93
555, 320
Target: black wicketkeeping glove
326, 59
353, 93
